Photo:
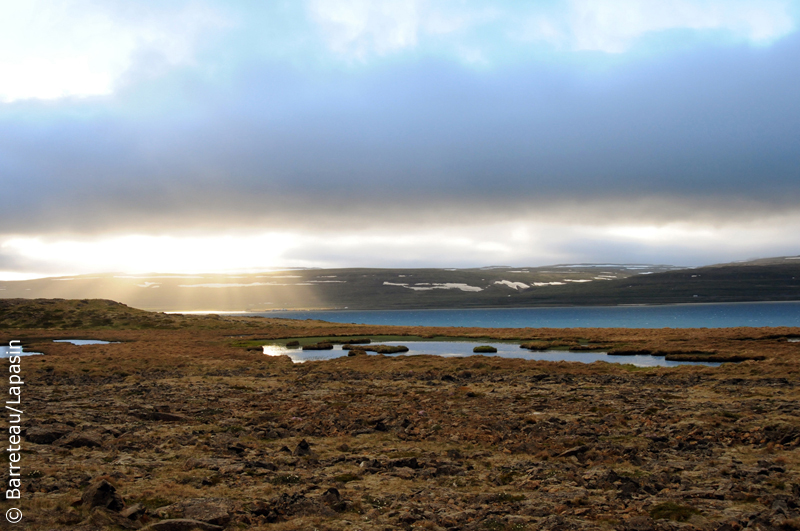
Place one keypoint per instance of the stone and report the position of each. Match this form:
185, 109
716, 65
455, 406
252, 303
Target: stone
102, 494
574, 451
47, 434
215, 511
333, 499
303, 448
80, 440
133, 512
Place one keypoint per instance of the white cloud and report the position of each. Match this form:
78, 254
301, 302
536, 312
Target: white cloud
359, 27
613, 26
144, 254
556, 241
362, 28
59, 48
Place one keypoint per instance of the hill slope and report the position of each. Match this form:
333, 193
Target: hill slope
773, 279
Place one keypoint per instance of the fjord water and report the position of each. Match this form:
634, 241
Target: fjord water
722, 315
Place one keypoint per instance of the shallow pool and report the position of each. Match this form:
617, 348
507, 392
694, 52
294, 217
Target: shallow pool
83, 341
455, 349
6, 353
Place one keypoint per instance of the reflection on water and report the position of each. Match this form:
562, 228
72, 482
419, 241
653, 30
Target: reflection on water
83, 341
453, 349
5, 353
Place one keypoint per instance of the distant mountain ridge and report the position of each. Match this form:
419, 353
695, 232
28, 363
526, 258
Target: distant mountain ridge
766, 279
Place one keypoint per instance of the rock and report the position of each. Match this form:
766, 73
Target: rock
215, 511
212, 511
574, 451
408, 462
182, 524
166, 417
47, 434
80, 440
403, 472
333, 499
102, 494
262, 465
449, 470
133, 512
370, 464
161, 413
272, 434
303, 448
264, 509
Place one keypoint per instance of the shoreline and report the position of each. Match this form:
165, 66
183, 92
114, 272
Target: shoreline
471, 308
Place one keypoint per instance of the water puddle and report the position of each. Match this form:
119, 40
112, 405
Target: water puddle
457, 349
6, 353
84, 341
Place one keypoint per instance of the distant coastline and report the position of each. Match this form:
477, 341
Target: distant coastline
570, 286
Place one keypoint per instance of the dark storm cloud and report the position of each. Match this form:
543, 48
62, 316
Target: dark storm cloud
713, 133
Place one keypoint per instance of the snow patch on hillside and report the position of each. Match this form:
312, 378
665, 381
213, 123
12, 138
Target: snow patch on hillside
512, 285
426, 286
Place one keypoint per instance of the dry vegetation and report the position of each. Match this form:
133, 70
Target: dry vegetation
183, 428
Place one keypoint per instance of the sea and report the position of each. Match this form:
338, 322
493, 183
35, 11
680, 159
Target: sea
722, 315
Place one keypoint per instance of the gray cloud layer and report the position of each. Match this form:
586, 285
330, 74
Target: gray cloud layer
713, 134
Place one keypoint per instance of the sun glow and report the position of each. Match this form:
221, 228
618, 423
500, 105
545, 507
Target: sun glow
164, 254
661, 234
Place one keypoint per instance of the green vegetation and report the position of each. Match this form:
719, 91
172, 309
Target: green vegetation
285, 479
63, 314
672, 511
508, 498
484, 349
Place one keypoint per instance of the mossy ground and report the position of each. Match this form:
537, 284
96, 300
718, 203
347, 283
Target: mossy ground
498, 443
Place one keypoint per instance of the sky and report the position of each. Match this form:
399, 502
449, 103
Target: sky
211, 136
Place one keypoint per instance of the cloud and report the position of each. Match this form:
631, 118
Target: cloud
263, 137
358, 27
696, 135
491, 32
615, 26
53, 49
363, 29
516, 242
